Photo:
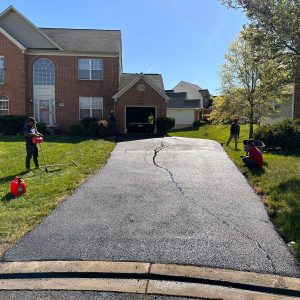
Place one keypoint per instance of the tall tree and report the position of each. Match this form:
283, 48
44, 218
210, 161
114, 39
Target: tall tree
251, 84
277, 22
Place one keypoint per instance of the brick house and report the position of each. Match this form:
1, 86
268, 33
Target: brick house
63, 75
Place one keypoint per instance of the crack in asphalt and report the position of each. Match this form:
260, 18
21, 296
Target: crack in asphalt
163, 146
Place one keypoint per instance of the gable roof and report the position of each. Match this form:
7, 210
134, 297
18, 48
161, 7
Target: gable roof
85, 40
192, 85
29, 37
25, 32
128, 80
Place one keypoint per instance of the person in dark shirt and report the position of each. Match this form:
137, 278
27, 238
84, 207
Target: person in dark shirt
112, 123
255, 158
234, 133
29, 131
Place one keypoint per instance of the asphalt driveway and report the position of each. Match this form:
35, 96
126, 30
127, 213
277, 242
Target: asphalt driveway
170, 200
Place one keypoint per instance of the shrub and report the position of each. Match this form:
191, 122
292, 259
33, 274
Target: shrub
284, 135
11, 124
93, 128
164, 124
199, 123
42, 128
77, 130
86, 122
98, 129
104, 129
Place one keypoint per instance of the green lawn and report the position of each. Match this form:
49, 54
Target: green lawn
44, 190
278, 183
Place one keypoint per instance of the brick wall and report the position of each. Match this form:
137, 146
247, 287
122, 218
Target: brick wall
134, 97
297, 101
68, 88
14, 86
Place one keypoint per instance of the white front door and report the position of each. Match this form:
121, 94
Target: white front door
44, 104
45, 111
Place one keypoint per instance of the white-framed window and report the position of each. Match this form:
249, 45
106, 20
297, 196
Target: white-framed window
90, 107
43, 72
90, 69
2, 70
4, 105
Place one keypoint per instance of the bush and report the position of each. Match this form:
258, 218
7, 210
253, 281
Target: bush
42, 128
93, 129
104, 129
164, 124
11, 125
284, 135
86, 122
199, 123
77, 130
98, 129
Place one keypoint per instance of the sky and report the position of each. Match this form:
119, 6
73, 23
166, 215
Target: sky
180, 39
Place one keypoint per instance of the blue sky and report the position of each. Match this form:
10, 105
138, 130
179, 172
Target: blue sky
182, 39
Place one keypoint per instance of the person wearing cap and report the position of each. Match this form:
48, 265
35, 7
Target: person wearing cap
30, 131
255, 158
234, 133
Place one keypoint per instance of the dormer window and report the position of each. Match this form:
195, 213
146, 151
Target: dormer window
2, 70
90, 69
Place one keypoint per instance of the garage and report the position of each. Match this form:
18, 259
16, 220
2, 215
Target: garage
137, 118
183, 117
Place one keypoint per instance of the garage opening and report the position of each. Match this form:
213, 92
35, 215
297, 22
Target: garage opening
137, 118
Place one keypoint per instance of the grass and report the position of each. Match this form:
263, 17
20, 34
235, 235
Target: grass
44, 190
278, 182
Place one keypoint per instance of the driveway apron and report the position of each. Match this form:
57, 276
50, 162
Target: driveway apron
165, 200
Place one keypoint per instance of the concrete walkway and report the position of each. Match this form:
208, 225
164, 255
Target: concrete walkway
171, 200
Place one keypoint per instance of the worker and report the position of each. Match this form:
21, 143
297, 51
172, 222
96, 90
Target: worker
30, 131
151, 124
234, 133
255, 158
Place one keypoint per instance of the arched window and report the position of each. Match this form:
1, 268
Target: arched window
43, 72
4, 105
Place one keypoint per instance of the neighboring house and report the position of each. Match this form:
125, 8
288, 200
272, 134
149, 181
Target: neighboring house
63, 75
187, 103
287, 110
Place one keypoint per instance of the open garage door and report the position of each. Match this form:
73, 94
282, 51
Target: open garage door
137, 118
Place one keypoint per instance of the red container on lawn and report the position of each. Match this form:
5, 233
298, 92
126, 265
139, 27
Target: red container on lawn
17, 187
37, 140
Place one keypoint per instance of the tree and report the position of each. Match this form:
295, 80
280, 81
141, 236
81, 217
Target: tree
277, 25
251, 84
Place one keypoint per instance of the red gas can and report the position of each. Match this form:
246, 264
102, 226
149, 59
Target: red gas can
17, 187
37, 140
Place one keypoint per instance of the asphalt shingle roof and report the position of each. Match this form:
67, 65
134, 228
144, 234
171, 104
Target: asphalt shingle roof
85, 40
177, 95
126, 78
182, 103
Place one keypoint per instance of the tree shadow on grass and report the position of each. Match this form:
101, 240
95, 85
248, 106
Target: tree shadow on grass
11, 177
64, 139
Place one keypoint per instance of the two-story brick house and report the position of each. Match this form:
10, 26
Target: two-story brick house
63, 75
